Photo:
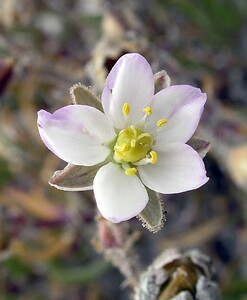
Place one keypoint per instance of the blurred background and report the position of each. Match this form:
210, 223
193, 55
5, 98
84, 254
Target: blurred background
48, 237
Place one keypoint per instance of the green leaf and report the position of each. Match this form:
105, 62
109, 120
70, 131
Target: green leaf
81, 94
82, 275
5, 173
152, 216
16, 269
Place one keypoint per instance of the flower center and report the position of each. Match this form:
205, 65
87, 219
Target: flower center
132, 144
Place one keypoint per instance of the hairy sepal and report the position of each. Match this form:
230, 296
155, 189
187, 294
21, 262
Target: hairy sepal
152, 217
199, 145
74, 178
83, 95
161, 80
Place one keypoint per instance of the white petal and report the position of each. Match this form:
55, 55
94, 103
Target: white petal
179, 168
119, 197
130, 80
182, 106
78, 134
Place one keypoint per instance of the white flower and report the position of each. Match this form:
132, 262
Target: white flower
141, 137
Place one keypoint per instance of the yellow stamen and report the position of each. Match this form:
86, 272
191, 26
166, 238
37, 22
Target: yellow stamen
126, 109
148, 110
130, 171
154, 157
161, 122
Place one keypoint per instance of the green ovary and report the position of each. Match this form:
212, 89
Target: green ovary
132, 145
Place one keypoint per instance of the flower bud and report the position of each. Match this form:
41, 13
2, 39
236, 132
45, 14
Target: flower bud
178, 276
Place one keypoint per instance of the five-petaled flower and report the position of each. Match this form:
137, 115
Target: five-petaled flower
141, 137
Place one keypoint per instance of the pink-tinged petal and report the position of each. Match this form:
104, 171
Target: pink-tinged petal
107, 95
78, 134
182, 106
119, 197
179, 168
130, 80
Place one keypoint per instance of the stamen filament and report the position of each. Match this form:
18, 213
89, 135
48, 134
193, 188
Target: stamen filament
148, 111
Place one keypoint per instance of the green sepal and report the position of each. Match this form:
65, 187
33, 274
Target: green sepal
81, 94
74, 178
200, 146
152, 217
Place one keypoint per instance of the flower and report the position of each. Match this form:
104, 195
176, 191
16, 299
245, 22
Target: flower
140, 137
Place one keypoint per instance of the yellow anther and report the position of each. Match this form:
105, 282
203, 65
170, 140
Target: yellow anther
161, 122
148, 110
126, 109
130, 171
154, 157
